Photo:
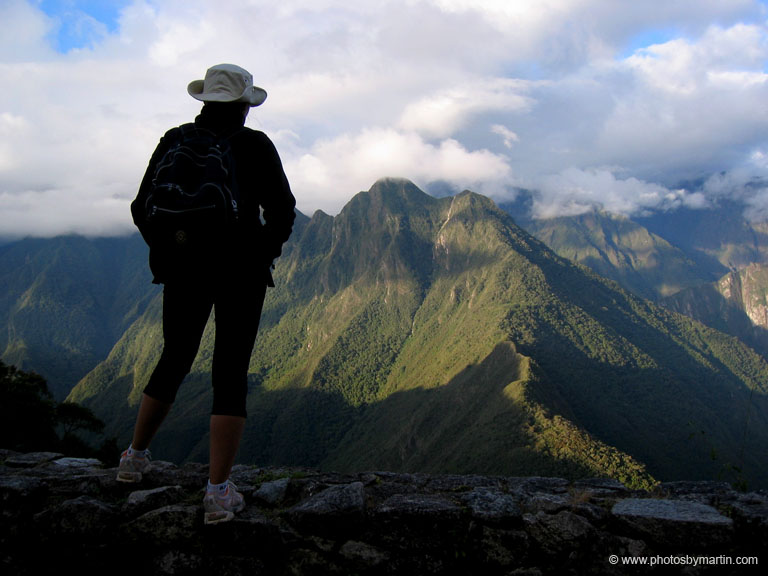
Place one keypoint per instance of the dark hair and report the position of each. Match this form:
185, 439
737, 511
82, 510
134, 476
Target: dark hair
224, 113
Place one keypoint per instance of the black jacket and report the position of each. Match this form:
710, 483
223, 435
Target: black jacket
266, 203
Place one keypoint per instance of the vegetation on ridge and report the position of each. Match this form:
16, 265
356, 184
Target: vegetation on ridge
415, 333
31, 420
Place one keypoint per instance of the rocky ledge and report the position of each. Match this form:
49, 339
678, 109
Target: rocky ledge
68, 513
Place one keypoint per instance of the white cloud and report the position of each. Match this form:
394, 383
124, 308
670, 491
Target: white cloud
509, 137
481, 94
574, 191
335, 169
693, 108
747, 183
442, 114
53, 212
24, 31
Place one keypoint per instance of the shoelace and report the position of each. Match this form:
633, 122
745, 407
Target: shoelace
147, 455
228, 493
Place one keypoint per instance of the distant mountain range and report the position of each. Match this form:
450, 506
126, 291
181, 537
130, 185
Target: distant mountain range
435, 334
707, 264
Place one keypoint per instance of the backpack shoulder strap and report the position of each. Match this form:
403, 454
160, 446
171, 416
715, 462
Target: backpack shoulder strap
189, 130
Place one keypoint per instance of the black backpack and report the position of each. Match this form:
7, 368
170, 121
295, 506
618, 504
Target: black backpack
192, 206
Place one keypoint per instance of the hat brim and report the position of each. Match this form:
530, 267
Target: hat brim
253, 95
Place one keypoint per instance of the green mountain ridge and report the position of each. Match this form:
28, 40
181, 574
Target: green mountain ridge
65, 302
421, 334
690, 280
618, 248
654, 255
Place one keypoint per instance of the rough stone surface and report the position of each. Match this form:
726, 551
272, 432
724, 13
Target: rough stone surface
60, 514
273, 492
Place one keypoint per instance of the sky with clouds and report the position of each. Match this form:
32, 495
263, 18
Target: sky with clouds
621, 105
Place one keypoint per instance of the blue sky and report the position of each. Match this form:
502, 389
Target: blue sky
649, 37
81, 24
608, 104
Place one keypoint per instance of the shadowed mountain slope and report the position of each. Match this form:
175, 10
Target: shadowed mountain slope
415, 333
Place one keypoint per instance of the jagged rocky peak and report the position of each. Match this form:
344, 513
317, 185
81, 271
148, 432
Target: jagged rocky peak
402, 196
386, 195
393, 187
71, 513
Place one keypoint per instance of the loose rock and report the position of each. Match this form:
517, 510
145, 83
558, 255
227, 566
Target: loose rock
73, 512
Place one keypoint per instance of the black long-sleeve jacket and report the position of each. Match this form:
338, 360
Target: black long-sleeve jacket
266, 203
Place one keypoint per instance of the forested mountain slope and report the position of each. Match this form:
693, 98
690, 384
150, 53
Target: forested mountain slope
416, 333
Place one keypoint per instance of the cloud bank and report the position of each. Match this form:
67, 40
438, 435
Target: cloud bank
624, 106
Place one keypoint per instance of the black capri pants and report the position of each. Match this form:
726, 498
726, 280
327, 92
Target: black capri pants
187, 305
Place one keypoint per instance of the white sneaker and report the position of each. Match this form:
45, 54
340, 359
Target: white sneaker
222, 508
133, 467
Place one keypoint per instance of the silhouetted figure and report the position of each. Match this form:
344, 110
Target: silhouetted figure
230, 277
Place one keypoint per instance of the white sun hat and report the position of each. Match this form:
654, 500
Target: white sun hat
227, 83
